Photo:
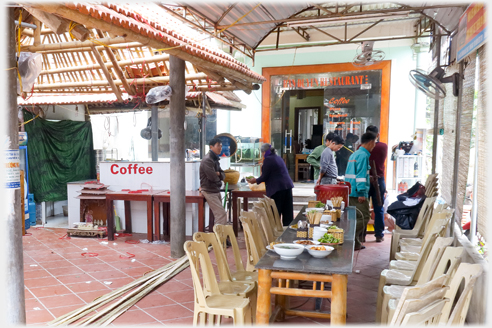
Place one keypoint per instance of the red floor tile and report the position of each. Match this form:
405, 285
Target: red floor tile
65, 271
137, 272
119, 282
40, 316
153, 300
41, 282
60, 311
61, 300
88, 297
34, 304
82, 287
108, 275
134, 317
35, 274
180, 296
50, 291
169, 312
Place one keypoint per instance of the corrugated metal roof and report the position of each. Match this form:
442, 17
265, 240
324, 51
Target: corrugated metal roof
251, 35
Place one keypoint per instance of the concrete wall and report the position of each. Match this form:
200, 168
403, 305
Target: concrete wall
402, 93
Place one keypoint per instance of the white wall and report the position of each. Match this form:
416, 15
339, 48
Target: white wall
65, 112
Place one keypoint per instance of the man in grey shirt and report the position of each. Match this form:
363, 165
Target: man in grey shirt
328, 167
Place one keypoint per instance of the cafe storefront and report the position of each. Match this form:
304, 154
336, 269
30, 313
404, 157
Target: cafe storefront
306, 102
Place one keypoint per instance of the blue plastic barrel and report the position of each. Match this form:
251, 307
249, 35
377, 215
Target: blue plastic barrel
32, 209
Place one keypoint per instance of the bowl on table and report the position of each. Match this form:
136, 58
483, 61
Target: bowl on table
320, 251
288, 251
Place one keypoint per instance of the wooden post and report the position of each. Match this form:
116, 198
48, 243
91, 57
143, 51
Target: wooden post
339, 299
263, 306
13, 312
37, 32
177, 118
99, 59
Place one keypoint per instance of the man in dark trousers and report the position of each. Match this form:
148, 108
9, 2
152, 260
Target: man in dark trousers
211, 176
357, 175
378, 155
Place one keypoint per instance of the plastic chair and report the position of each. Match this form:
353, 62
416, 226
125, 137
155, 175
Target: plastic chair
273, 209
254, 246
428, 315
438, 215
259, 234
209, 300
442, 260
403, 277
271, 217
227, 285
417, 231
224, 232
412, 292
411, 253
466, 276
265, 223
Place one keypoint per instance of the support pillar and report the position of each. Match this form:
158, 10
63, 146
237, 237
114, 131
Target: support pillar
436, 111
12, 264
154, 141
177, 118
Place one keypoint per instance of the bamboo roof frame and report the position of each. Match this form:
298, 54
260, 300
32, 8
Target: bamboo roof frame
107, 63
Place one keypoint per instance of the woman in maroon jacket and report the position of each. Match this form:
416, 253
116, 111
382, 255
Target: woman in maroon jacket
278, 183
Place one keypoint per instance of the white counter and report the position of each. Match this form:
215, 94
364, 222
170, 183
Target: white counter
140, 175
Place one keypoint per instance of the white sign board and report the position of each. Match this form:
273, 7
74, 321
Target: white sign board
12, 169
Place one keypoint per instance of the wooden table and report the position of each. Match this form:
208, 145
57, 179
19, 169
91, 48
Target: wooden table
332, 269
165, 198
128, 196
245, 193
298, 157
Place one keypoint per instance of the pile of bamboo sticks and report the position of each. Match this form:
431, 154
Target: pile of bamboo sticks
314, 217
128, 295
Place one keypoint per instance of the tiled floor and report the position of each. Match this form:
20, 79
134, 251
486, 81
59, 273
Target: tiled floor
58, 279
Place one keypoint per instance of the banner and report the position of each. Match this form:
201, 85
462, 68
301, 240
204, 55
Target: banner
12, 169
471, 30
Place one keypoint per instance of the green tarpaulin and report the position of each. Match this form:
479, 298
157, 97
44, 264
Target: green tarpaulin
58, 152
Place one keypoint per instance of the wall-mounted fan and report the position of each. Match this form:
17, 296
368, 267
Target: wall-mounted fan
432, 84
366, 56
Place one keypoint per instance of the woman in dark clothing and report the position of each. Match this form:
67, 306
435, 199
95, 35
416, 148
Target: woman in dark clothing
278, 183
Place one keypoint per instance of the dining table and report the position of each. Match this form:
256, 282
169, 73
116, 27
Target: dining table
245, 192
332, 270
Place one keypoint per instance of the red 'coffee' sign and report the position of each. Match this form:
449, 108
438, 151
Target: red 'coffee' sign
130, 169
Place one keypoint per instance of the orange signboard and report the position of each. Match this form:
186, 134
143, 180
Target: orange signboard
471, 30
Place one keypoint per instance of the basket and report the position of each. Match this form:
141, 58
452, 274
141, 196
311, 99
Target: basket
302, 233
311, 230
312, 203
231, 176
257, 187
337, 233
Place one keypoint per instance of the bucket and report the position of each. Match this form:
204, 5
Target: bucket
32, 209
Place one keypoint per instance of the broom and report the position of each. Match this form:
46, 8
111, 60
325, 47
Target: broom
117, 220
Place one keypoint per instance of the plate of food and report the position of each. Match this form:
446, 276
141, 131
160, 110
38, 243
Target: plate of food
270, 247
306, 243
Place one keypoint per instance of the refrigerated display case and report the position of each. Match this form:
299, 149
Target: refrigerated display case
248, 154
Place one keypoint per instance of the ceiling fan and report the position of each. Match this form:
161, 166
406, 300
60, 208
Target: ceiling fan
366, 56
432, 84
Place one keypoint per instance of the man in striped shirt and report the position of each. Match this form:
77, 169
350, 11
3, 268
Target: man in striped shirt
328, 172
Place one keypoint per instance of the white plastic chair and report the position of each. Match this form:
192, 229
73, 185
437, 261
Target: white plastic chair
444, 265
208, 299
265, 223
417, 231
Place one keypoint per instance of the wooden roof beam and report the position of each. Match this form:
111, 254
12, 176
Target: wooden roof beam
92, 22
99, 59
130, 89
73, 44
128, 62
